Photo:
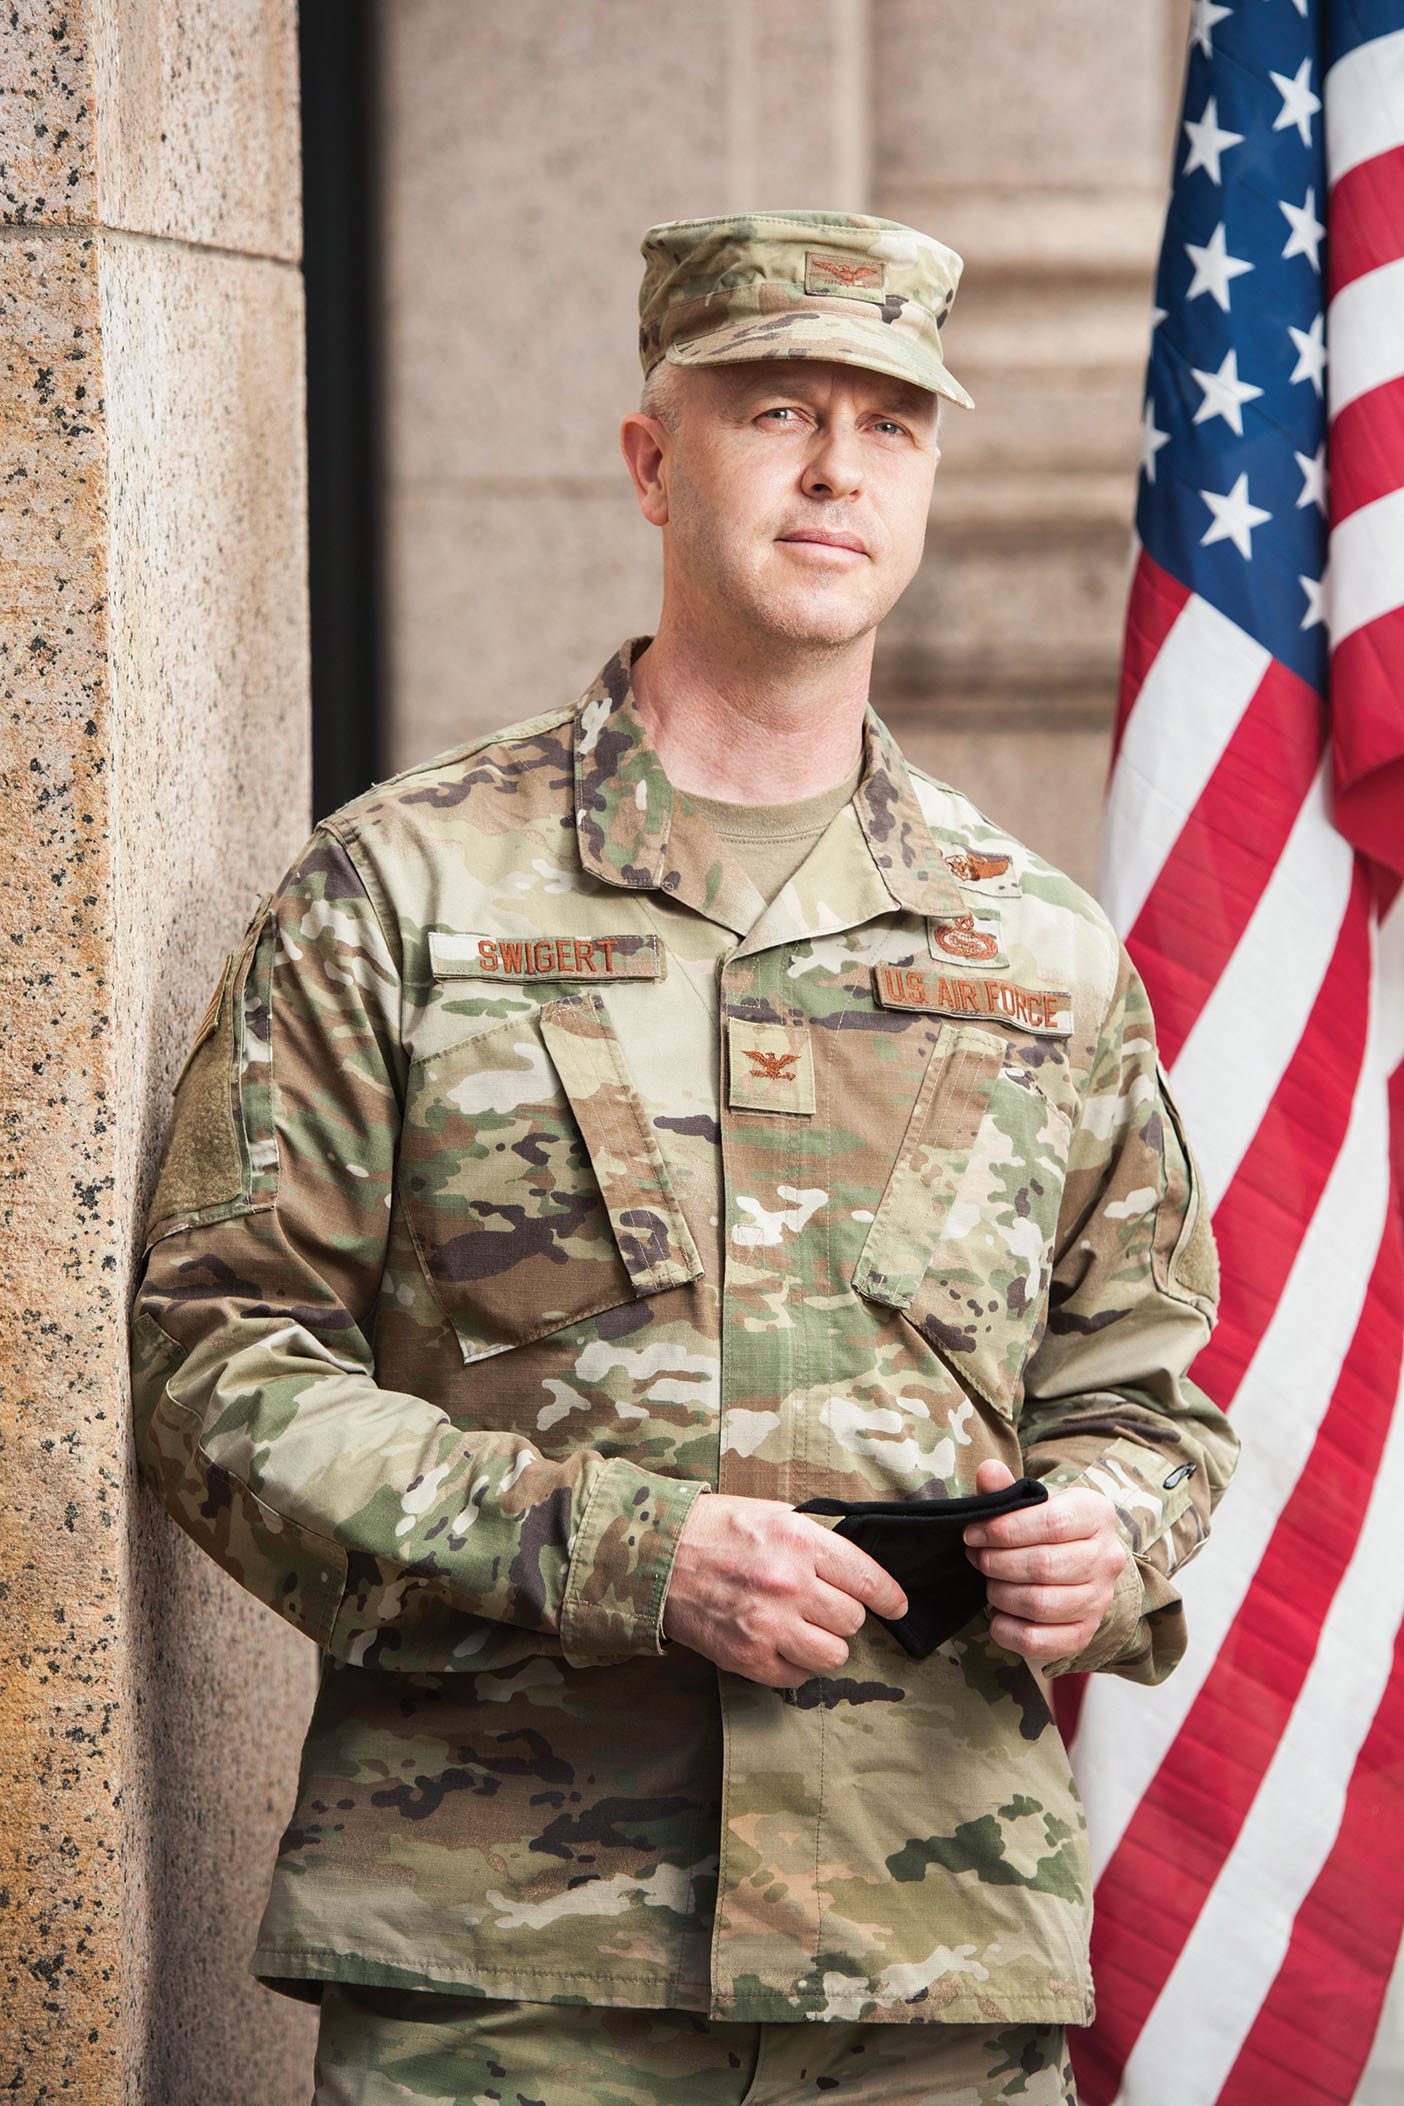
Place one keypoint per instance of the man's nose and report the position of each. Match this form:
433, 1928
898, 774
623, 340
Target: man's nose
833, 465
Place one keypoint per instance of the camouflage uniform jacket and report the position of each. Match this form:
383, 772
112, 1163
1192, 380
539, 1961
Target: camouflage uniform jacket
524, 1180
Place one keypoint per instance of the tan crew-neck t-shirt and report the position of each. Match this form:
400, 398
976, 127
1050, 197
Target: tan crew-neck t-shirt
772, 840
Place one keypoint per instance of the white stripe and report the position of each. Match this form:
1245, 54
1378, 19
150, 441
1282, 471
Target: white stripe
1233, 1060
1207, 2007
1123, 1737
1365, 103
1201, 681
1365, 332
1389, 985
1366, 577
1382, 2079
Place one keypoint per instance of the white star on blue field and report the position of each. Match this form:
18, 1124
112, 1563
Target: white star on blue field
1233, 498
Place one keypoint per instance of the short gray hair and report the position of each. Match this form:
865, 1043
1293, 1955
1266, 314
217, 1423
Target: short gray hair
662, 394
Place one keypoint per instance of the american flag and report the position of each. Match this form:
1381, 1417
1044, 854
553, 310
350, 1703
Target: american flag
1247, 1817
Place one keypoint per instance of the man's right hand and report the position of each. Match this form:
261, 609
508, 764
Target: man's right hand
769, 1593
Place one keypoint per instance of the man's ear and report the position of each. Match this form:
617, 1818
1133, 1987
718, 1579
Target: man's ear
643, 441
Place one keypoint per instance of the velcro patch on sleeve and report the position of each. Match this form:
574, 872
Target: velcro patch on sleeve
469, 955
771, 1067
1045, 1011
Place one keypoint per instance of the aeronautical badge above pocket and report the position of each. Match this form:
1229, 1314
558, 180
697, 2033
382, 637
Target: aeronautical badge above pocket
986, 872
531, 1179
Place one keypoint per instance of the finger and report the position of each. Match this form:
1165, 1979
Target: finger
1042, 1564
1039, 1641
1064, 1518
785, 1663
845, 1566
993, 1476
817, 1652
1047, 1605
779, 1673
832, 1609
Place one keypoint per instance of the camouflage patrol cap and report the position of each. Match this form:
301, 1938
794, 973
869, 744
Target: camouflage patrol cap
866, 292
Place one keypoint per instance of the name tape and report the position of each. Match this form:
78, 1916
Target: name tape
469, 956
1043, 1010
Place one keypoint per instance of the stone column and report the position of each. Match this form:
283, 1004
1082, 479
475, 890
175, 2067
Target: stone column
154, 747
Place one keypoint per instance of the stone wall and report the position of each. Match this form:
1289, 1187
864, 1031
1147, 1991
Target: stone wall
154, 748
527, 149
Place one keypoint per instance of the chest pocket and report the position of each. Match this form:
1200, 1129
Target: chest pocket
961, 1240
532, 1181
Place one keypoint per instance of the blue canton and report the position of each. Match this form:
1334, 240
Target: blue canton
1232, 497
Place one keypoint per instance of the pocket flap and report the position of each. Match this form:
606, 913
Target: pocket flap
950, 1106
962, 1238
532, 1183
654, 1239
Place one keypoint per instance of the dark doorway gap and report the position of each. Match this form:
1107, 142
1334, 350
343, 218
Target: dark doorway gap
337, 46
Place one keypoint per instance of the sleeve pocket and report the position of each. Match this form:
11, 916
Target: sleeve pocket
219, 1156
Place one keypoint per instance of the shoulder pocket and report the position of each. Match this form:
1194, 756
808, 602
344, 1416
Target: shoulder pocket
531, 1179
219, 1155
961, 1241
1183, 1253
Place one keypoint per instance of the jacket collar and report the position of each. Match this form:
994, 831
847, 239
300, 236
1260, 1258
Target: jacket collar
634, 830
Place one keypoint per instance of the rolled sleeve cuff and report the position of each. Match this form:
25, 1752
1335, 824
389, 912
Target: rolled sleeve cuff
1142, 1634
621, 1562
1148, 1490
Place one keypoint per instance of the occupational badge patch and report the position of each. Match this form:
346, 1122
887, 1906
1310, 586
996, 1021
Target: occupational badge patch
964, 940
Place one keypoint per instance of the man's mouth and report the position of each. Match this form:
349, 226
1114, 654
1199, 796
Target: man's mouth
819, 537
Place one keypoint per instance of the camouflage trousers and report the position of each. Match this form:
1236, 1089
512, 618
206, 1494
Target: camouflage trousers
379, 2047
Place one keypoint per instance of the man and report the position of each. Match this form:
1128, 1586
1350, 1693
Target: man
610, 1136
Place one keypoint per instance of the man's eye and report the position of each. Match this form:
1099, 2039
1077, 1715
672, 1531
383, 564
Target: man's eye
889, 424
781, 409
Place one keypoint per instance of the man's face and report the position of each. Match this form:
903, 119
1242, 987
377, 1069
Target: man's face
796, 495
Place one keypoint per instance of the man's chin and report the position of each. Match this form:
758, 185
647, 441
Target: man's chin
821, 620
829, 629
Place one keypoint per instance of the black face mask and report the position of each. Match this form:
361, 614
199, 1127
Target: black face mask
921, 1543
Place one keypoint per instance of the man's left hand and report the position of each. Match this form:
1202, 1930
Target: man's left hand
1050, 1569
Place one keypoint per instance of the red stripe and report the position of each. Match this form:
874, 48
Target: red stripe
1367, 449
1262, 1217
1313, 2033
1366, 218
1367, 723
1257, 1240
1155, 603
1228, 848
1189, 1819
1069, 1696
